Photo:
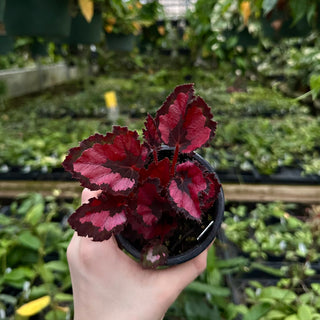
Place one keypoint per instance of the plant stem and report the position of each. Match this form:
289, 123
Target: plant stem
155, 156
305, 95
174, 160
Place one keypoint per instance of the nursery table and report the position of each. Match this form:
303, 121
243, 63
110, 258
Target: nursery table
233, 191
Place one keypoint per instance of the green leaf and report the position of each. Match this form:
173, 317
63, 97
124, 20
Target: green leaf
196, 308
58, 266
275, 314
8, 299
257, 311
28, 202
5, 221
205, 288
38, 291
19, 273
316, 288
267, 269
63, 297
22, 256
232, 262
3, 252
304, 312
28, 240
34, 215
306, 298
268, 5
298, 9
292, 317
315, 85
55, 315
312, 11
46, 274
17, 277
284, 295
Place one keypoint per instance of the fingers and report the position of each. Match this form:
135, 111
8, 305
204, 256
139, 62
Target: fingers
183, 274
88, 194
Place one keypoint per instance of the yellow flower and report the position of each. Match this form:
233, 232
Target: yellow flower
137, 26
162, 30
33, 307
245, 11
186, 36
108, 28
111, 20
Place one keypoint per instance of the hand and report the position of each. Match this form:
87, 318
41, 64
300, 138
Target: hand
108, 284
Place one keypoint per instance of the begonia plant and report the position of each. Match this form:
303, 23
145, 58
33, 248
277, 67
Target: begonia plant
139, 189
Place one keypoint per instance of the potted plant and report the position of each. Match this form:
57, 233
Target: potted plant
123, 22
86, 24
6, 42
286, 18
2, 6
281, 21
163, 201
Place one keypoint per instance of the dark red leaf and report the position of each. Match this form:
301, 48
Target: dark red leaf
100, 218
75, 153
112, 164
151, 133
211, 194
160, 171
161, 230
185, 120
186, 188
150, 203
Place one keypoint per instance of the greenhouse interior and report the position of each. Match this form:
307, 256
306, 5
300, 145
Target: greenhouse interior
148, 105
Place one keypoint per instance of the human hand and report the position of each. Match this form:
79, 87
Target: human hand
108, 284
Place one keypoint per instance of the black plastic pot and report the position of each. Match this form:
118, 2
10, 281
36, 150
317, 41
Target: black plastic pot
210, 228
49, 18
2, 6
120, 42
287, 29
84, 32
6, 44
39, 48
244, 38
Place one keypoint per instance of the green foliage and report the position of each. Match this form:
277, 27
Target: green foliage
271, 230
34, 239
258, 233
33, 242
268, 5
128, 17
276, 143
200, 35
315, 85
272, 302
209, 295
39, 133
297, 9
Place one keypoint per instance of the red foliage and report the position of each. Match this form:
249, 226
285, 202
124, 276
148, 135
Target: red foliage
185, 121
137, 188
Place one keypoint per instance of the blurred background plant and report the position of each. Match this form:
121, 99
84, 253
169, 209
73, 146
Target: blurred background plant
34, 237
129, 17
